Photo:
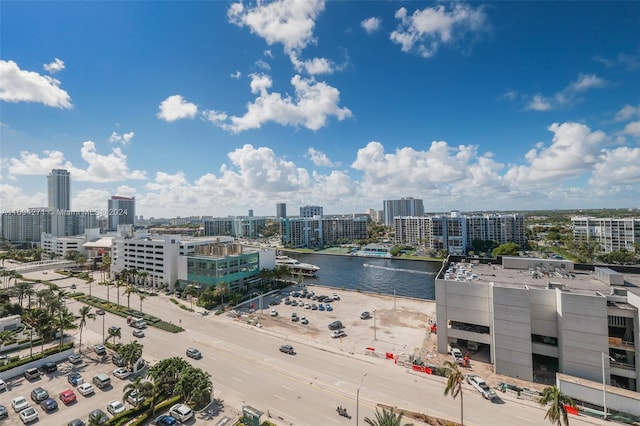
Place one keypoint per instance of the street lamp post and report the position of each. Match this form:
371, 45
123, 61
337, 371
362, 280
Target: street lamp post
358, 399
604, 385
374, 325
101, 313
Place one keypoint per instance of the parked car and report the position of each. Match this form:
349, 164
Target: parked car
181, 412
328, 307
85, 389
4, 413
19, 403
98, 417
304, 320
335, 296
68, 397
28, 415
294, 317
39, 394
274, 313
320, 307
135, 398
481, 386
138, 333
115, 407
3, 385
31, 373
117, 360
456, 354
49, 367
338, 333
365, 315
314, 307
74, 378
336, 325
75, 359
166, 420
121, 373
101, 380
194, 353
287, 349
100, 350
49, 405
76, 422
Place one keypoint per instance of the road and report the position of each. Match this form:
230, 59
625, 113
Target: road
302, 389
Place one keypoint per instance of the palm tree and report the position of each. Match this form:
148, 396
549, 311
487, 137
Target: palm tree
63, 319
85, 314
221, 290
142, 297
386, 418
140, 387
5, 336
454, 385
128, 291
119, 284
195, 386
114, 332
557, 401
130, 353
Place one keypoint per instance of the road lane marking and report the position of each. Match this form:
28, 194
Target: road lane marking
279, 397
237, 379
526, 419
287, 387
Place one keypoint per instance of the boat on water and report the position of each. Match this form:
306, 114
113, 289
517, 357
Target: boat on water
297, 267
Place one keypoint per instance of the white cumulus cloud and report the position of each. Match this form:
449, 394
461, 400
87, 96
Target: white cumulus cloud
175, 108
371, 25
569, 95
55, 66
314, 102
319, 158
124, 139
18, 85
426, 30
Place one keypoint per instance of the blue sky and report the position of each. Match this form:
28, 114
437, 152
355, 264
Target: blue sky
215, 108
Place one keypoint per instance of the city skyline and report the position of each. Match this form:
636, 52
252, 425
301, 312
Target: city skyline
467, 106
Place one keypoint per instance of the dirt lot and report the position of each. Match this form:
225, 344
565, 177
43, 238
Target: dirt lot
401, 327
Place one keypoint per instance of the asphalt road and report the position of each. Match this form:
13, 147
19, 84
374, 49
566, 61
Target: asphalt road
302, 389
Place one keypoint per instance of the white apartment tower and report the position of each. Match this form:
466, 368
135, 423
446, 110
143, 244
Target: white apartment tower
59, 182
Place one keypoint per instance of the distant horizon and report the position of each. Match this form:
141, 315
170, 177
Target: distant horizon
477, 106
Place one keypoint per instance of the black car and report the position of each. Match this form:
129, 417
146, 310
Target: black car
3, 412
49, 367
365, 315
117, 360
49, 405
76, 422
336, 325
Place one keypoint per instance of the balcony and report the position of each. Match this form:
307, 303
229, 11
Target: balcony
618, 343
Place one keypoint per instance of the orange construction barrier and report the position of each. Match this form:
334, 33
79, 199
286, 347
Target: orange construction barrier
389, 355
371, 349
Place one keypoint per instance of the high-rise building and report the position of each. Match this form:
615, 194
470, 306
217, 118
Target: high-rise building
59, 181
311, 211
281, 210
403, 207
121, 211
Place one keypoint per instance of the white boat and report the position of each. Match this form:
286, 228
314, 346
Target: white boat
297, 267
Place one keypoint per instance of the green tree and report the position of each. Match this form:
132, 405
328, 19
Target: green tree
507, 249
5, 336
143, 388
166, 373
557, 402
141, 297
130, 353
128, 292
195, 386
221, 290
85, 314
114, 332
64, 320
386, 418
455, 378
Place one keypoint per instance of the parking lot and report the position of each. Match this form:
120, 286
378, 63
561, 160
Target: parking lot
56, 382
398, 325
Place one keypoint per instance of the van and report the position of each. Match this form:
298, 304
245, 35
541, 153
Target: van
31, 373
101, 380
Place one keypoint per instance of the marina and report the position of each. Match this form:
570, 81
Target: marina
409, 278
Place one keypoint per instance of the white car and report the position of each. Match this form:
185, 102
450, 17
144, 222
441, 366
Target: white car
3, 385
28, 415
456, 354
481, 386
338, 333
75, 359
85, 389
274, 313
181, 412
304, 320
115, 407
121, 373
138, 333
19, 403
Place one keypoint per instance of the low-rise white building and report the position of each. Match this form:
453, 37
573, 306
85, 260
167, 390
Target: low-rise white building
533, 318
